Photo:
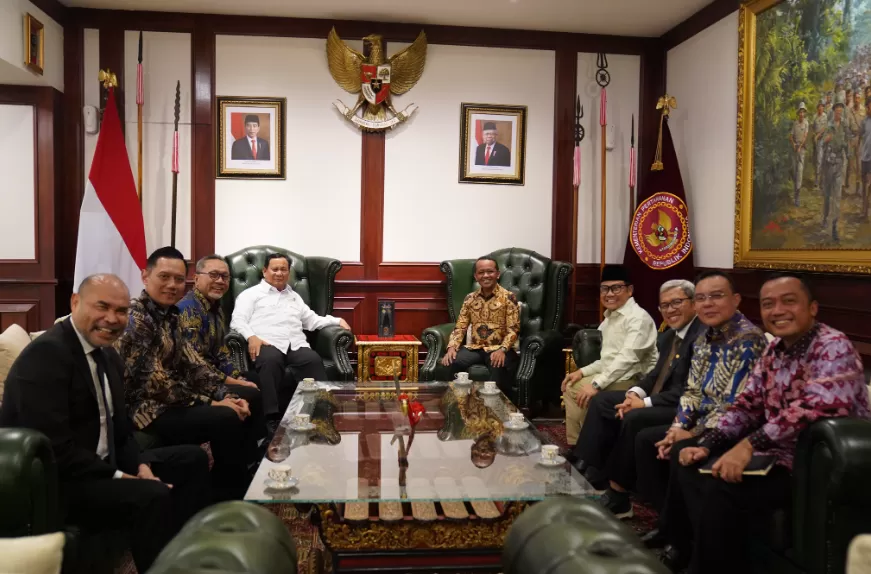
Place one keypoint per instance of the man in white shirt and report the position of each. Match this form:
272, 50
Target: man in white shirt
272, 317
628, 350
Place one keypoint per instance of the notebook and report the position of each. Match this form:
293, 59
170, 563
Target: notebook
759, 465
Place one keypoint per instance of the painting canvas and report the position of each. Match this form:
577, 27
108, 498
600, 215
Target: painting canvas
804, 149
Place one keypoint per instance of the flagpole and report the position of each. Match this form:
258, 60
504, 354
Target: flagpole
576, 184
175, 160
139, 101
603, 78
632, 170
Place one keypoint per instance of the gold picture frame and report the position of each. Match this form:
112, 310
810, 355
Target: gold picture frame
506, 164
34, 44
237, 157
807, 244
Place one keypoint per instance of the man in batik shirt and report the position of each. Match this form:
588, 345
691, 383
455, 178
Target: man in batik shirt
494, 315
809, 372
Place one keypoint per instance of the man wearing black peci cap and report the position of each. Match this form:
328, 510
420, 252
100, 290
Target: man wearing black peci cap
491, 152
251, 146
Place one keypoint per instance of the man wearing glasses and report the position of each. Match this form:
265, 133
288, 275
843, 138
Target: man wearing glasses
628, 350
605, 451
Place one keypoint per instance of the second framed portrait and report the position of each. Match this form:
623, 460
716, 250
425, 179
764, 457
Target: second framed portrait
250, 138
492, 144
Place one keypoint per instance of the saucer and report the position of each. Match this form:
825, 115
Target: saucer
462, 383
301, 428
559, 460
494, 392
275, 485
518, 426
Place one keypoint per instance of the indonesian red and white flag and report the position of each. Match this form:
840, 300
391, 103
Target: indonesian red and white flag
111, 231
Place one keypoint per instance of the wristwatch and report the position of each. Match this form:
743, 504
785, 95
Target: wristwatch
596, 386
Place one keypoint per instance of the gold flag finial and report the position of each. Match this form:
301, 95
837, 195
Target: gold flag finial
108, 79
665, 103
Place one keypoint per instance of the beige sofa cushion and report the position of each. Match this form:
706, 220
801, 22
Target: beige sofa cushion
12, 342
32, 554
859, 555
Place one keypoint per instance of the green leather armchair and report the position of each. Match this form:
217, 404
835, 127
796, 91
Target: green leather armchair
230, 537
313, 278
541, 286
28, 484
574, 536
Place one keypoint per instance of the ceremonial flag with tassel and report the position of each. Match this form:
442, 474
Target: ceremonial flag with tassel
659, 246
111, 231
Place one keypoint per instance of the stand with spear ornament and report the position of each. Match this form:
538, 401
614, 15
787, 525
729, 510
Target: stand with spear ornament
603, 78
576, 184
175, 160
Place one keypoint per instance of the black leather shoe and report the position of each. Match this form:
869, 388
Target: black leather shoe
653, 539
673, 559
570, 455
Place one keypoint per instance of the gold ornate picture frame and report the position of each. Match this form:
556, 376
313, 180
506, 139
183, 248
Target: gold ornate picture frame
492, 144
778, 224
34, 44
250, 138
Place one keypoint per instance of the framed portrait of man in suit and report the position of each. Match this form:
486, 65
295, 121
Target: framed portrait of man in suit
492, 144
251, 138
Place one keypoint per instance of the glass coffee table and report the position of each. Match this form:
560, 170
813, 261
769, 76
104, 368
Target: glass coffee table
389, 497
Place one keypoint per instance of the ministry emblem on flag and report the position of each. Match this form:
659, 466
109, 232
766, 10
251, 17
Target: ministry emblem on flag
660, 232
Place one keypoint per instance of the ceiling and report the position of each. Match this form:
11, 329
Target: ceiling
620, 17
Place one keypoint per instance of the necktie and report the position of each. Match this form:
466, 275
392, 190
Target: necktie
666, 366
487, 155
254, 148
100, 359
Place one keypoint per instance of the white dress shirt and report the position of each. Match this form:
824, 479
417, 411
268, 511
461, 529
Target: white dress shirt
276, 317
680, 336
628, 346
103, 442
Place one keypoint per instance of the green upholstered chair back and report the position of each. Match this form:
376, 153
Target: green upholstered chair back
538, 283
28, 484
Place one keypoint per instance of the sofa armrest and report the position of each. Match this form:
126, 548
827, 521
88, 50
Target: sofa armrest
544, 347
28, 484
436, 341
586, 347
332, 343
831, 500
322, 273
238, 346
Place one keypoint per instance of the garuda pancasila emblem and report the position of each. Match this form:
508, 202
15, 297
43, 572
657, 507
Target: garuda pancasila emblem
375, 78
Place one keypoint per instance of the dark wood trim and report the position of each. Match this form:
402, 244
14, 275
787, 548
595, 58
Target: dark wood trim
112, 58
410, 271
203, 144
55, 10
652, 86
565, 92
372, 203
707, 16
374, 284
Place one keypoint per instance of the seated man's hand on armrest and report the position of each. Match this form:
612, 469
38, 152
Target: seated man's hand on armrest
449, 357
344, 324
254, 344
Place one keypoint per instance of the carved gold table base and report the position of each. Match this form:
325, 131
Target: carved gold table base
379, 358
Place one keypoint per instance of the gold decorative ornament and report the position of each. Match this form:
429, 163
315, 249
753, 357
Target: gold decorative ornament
665, 103
375, 78
108, 79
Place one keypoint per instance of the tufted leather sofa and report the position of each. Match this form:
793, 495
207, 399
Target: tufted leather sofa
313, 278
574, 536
541, 286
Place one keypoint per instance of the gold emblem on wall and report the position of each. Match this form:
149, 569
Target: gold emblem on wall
375, 78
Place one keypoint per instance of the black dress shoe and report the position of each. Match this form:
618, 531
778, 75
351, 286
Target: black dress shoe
570, 455
673, 559
653, 539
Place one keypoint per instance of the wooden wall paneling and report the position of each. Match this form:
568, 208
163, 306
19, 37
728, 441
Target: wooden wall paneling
394, 271
203, 145
565, 92
372, 203
25, 313
55, 10
586, 303
112, 58
30, 304
652, 87
707, 16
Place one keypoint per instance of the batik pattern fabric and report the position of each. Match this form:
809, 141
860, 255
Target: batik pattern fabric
162, 369
495, 320
819, 376
202, 325
723, 358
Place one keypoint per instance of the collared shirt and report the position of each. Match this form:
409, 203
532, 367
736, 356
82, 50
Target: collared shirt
819, 376
821, 122
202, 325
276, 317
723, 358
103, 441
495, 320
678, 340
799, 132
163, 370
628, 345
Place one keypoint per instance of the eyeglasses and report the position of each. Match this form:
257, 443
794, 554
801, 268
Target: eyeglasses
673, 304
214, 275
605, 289
713, 297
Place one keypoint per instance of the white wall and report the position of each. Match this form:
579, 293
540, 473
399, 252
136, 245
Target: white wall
91, 95
12, 46
703, 76
166, 60
421, 192
622, 103
17, 201
316, 211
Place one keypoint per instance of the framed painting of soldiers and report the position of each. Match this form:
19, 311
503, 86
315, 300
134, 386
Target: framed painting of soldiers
492, 144
804, 136
250, 138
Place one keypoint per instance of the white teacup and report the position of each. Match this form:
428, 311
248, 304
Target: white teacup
490, 386
515, 419
549, 452
301, 420
308, 382
462, 377
280, 473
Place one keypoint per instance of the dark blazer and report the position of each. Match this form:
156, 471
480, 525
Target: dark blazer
499, 155
50, 389
678, 370
242, 150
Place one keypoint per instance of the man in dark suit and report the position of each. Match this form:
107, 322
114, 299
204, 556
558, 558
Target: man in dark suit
605, 450
251, 146
491, 152
60, 385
